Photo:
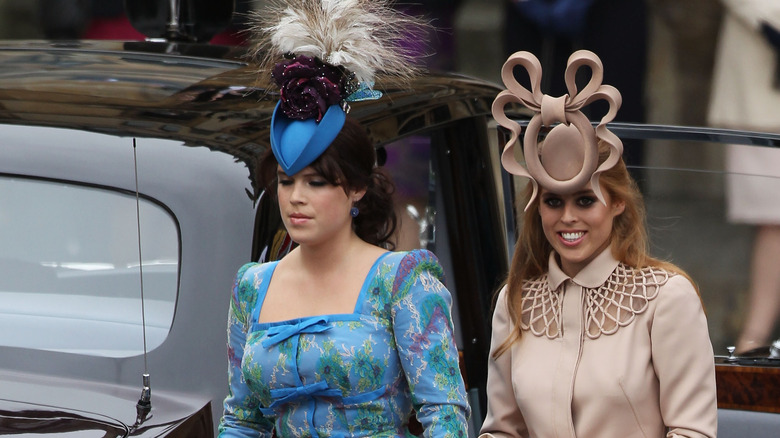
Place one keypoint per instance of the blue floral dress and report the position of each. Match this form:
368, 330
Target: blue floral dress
347, 375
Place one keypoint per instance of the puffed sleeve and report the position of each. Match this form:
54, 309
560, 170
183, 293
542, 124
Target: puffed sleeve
684, 361
241, 416
503, 417
423, 330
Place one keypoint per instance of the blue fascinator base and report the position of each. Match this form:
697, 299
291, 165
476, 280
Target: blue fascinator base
297, 143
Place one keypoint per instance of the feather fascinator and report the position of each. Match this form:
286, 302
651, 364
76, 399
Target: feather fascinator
324, 54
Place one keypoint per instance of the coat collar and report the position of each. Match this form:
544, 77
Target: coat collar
591, 276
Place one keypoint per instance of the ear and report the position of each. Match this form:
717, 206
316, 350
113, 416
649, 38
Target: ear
356, 195
618, 208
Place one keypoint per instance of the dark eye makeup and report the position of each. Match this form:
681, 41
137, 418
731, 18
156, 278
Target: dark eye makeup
586, 201
552, 201
581, 200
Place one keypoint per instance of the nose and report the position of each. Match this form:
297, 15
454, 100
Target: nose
569, 213
296, 193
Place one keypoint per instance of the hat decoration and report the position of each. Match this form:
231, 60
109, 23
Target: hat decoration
567, 159
324, 54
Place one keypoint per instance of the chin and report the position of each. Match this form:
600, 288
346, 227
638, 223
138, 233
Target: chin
578, 258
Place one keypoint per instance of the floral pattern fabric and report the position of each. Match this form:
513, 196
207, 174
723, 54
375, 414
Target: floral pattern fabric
347, 375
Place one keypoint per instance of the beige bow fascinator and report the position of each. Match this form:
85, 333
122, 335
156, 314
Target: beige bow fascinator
567, 158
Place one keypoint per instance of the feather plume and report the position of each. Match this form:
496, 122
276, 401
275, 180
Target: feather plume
363, 36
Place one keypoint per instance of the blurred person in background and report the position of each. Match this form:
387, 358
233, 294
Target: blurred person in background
746, 95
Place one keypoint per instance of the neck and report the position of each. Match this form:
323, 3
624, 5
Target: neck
327, 256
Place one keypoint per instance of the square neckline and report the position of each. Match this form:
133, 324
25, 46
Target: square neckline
263, 290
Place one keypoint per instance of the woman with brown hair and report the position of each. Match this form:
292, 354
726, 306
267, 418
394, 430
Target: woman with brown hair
592, 336
342, 336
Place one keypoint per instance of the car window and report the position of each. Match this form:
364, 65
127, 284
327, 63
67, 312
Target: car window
69, 269
408, 161
701, 217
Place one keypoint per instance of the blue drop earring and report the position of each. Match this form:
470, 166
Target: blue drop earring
354, 212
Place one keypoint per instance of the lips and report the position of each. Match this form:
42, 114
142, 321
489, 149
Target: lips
571, 238
297, 218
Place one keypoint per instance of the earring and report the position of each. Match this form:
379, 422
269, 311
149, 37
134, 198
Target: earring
354, 212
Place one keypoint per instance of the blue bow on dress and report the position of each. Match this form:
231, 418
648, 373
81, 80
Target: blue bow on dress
278, 333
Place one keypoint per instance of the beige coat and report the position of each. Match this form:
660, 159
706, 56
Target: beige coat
612, 353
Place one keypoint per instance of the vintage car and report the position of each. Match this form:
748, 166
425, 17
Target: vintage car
128, 200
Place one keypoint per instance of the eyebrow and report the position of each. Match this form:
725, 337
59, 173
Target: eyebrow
584, 192
303, 174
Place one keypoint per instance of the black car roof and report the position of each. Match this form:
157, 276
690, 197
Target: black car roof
209, 95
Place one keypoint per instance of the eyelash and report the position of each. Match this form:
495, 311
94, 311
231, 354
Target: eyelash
582, 201
313, 183
586, 201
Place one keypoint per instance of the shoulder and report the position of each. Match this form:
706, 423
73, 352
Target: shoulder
404, 272
678, 286
242, 270
248, 280
418, 255
669, 279
676, 293
655, 282
413, 263
679, 309
502, 324
254, 270
501, 306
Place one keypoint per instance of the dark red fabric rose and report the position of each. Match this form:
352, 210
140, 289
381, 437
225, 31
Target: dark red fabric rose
308, 87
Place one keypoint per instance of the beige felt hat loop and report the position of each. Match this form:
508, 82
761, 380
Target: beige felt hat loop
564, 162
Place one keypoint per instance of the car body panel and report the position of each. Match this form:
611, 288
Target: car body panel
71, 409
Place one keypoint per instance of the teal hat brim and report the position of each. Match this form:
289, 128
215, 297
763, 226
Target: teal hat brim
297, 143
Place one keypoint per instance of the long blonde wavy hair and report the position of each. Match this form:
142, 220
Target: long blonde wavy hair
629, 240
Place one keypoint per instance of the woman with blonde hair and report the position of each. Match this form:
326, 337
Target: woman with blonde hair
592, 336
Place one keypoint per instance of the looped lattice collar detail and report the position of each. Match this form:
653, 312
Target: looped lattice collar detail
614, 304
